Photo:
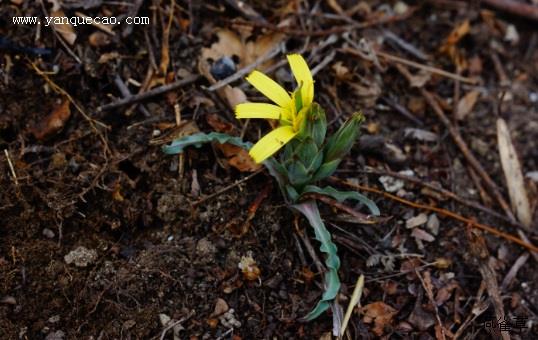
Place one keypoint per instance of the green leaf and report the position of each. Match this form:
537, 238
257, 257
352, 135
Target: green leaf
292, 194
298, 175
307, 152
198, 139
331, 281
341, 196
321, 307
325, 170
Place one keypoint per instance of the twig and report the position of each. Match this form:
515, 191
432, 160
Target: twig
360, 217
323, 63
181, 156
444, 192
479, 307
124, 90
431, 69
309, 248
60, 39
467, 153
338, 29
63, 92
246, 10
11, 168
174, 324
402, 110
427, 283
132, 12
515, 7
479, 252
223, 190
149, 94
443, 212
405, 45
513, 271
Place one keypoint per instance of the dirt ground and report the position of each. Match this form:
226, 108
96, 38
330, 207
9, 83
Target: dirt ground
103, 236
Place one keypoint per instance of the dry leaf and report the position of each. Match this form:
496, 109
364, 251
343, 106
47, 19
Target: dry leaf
99, 39
64, 29
218, 123
415, 221
457, 33
234, 95
238, 157
420, 135
514, 176
449, 45
54, 122
466, 104
380, 314
422, 235
230, 44
342, 72
106, 57
221, 307
415, 80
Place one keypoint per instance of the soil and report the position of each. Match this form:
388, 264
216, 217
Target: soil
103, 236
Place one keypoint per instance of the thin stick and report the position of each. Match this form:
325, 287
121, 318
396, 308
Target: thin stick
442, 191
515, 7
11, 168
172, 325
429, 293
149, 94
223, 190
431, 69
456, 136
181, 156
443, 212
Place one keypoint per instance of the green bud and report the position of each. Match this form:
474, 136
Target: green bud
339, 144
315, 125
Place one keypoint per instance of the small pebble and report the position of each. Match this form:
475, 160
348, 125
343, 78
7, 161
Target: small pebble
81, 257
222, 68
48, 233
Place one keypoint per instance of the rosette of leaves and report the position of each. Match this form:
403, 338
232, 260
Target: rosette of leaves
308, 157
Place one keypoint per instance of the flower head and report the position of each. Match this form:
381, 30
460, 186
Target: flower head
290, 110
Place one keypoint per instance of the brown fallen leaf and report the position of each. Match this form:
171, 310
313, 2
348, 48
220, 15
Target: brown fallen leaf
513, 174
466, 104
380, 314
230, 44
415, 80
449, 45
218, 123
234, 95
238, 157
65, 29
99, 39
52, 123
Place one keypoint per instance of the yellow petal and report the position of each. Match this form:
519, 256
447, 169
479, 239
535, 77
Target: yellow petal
303, 76
258, 110
271, 143
269, 88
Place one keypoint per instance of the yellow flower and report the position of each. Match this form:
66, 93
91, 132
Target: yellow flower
290, 110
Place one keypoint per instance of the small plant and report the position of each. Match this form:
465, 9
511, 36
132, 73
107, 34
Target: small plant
308, 156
